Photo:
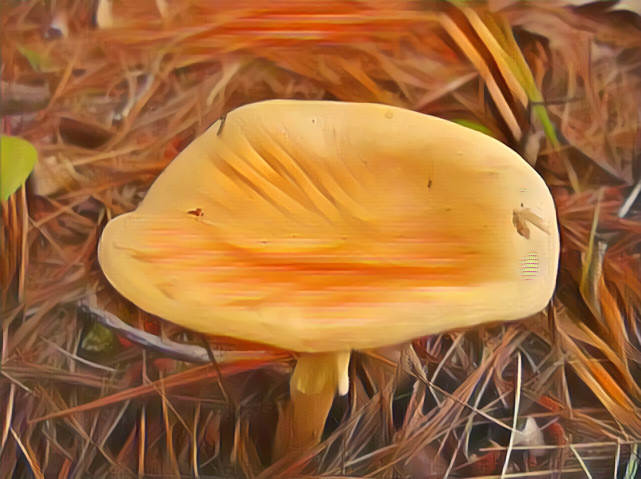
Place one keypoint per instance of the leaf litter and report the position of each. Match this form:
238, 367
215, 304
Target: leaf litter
110, 92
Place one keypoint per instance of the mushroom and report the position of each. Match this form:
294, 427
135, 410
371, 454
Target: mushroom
323, 227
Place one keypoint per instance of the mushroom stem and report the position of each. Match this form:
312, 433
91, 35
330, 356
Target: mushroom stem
316, 378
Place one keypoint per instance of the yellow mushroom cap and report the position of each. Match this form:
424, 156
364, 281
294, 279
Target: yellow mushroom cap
323, 226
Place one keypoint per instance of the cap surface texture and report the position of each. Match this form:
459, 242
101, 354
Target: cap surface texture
321, 226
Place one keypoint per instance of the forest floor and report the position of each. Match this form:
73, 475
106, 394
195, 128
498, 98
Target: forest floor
109, 93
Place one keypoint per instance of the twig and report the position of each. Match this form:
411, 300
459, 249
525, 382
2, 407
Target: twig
8, 417
212, 359
142, 439
581, 462
180, 351
183, 352
629, 201
517, 403
35, 468
78, 358
194, 445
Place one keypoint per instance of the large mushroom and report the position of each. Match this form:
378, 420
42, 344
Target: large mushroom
323, 227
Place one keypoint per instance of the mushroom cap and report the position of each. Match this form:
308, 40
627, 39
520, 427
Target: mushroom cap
323, 226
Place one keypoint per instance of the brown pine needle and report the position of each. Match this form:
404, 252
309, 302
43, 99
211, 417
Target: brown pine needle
180, 379
28, 454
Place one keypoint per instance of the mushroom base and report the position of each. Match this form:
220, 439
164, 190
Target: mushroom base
316, 378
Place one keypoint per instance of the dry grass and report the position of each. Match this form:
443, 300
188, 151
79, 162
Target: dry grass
109, 105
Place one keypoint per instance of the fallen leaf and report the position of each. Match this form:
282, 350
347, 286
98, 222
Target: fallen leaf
17, 159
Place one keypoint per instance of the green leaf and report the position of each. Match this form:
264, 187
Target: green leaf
38, 61
17, 159
98, 339
474, 126
513, 56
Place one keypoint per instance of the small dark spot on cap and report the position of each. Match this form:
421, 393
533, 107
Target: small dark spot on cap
222, 125
197, 212
429, 183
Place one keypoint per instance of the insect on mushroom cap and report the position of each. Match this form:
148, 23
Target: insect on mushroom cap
320, 226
